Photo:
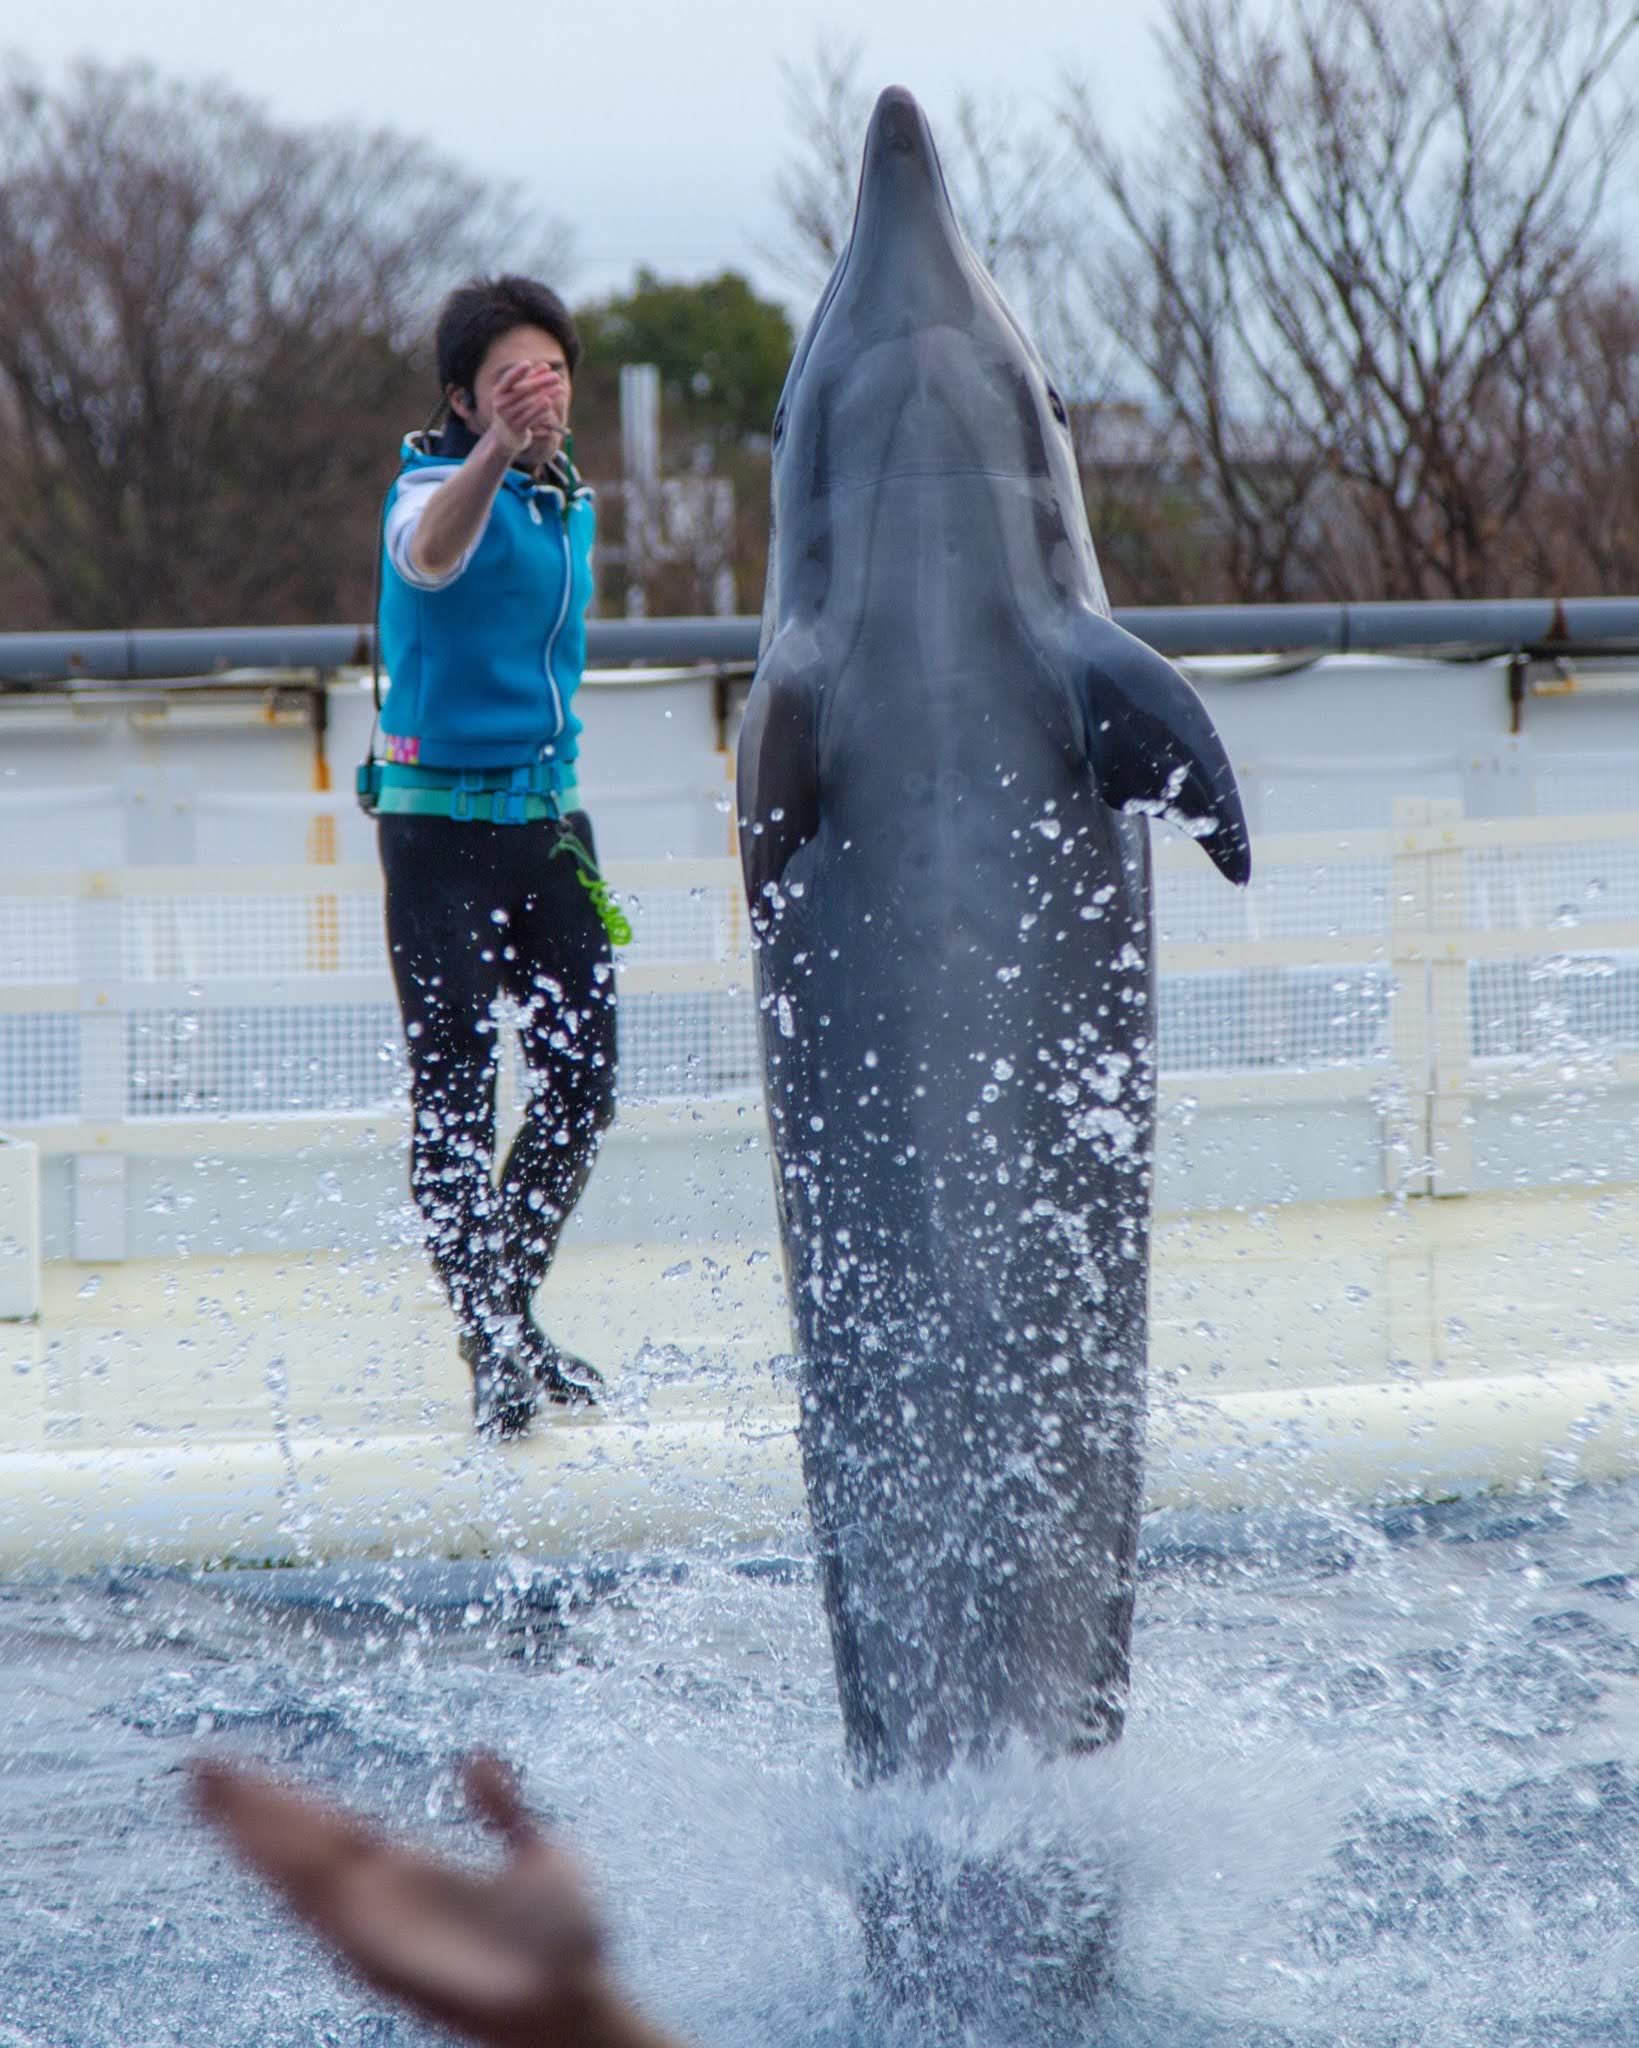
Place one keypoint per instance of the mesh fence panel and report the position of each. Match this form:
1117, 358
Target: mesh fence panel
1349, 899
1299, 1018
193, 938
238, 1062
689, 1045
36, 938
671, 926
39, 1066
1567, 1007
346, 1057
1510, 888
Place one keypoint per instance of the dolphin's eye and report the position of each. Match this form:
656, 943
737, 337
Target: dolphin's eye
1057, 403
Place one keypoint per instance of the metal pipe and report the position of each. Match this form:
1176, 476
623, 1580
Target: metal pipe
1466, 626
1472, 628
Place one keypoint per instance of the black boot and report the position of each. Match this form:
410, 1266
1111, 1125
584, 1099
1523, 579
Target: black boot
560, 1377
504, 1391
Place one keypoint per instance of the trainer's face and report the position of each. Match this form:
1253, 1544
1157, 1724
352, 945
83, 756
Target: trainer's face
531, 348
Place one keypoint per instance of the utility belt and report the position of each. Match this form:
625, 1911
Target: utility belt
473, 796
518, 796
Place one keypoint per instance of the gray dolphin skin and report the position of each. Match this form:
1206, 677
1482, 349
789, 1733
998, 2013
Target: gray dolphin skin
943, 766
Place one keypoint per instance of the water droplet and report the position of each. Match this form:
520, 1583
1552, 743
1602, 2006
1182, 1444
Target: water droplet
91, 1287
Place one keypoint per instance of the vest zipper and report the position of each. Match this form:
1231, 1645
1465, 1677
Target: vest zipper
563, 613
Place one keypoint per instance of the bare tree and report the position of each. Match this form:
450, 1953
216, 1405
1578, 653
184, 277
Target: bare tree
1585, 532
1347, 271
211, 336
826, 108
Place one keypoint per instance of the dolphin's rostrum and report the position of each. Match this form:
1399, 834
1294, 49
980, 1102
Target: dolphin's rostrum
942, 757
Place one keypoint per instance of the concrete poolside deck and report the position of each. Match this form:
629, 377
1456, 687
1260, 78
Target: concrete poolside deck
285, 1408
277, 1408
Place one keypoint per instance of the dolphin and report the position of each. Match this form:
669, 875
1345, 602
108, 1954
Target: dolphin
946, 760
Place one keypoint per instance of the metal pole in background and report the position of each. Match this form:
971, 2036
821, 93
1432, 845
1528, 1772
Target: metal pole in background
640, 462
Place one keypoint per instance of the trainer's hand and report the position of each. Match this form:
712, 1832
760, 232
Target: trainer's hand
529, 404
512, 1960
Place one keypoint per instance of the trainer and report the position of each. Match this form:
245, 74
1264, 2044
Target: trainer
491, 882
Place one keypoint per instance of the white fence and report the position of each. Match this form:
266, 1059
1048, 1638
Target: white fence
1429, 972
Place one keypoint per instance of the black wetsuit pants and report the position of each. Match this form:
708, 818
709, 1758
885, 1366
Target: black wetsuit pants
476, 912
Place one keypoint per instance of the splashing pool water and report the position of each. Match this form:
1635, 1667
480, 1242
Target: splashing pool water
1380, 1784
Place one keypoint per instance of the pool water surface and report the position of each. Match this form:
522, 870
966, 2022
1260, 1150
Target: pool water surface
1380, 1785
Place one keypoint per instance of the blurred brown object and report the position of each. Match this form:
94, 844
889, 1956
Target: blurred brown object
513, 1960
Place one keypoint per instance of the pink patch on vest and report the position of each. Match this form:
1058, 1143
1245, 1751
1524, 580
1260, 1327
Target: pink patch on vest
406, 752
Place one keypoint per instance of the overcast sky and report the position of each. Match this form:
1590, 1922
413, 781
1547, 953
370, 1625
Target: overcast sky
654, 127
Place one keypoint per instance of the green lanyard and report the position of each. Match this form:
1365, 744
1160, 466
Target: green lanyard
610, 915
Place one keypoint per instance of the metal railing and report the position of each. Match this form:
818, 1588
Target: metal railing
1472, 629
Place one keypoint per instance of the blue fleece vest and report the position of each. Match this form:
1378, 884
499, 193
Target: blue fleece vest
482, 672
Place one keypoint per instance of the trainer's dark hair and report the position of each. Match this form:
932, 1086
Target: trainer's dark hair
476, 315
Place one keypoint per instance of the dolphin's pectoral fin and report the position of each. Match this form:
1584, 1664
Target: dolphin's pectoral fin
778, 770
1152, 744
